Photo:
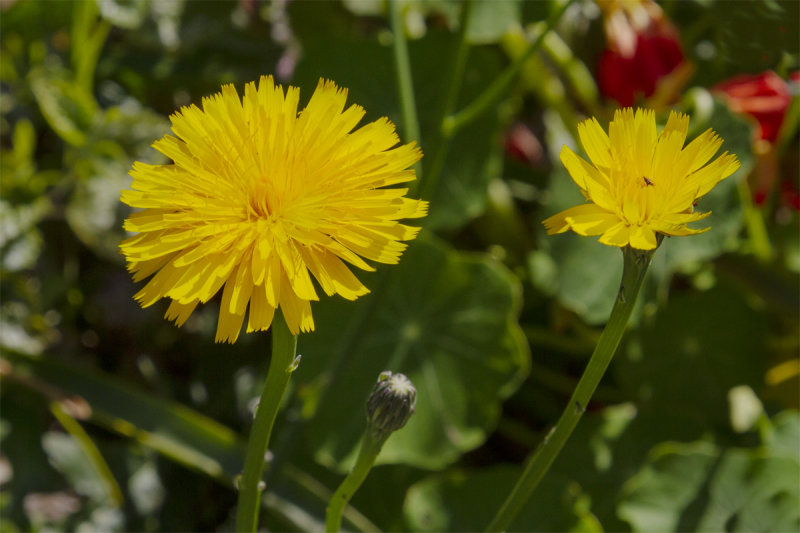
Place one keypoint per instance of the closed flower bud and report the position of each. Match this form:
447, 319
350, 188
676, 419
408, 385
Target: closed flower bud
391, 404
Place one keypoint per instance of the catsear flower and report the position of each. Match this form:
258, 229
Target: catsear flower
259, 199
640, 182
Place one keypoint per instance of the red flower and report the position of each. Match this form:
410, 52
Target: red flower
624, 78
765, 97
643, 49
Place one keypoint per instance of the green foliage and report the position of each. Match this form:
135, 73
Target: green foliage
699, 487
453, 332
121, 422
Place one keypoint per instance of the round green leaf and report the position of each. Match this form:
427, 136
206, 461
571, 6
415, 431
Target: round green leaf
682, 364
656, 497
750, 492
696, 487
445, 319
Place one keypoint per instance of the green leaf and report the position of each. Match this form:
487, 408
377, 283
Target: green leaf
67, 107
655, 498
174, 430
782, 439
467, 500
445, 319
697, 487
750, 492
710, 337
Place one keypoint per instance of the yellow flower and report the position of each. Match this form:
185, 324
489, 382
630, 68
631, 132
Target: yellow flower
640, 182
258, 196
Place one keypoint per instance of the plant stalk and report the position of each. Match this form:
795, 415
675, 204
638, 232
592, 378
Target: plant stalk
281, 366
405, 82
635, 267
455, 77
489, 97
371, 445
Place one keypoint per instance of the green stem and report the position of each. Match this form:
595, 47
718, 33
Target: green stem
281, 366
489, 97
634, 270
405, 82
370, 448
455, 76
460, 62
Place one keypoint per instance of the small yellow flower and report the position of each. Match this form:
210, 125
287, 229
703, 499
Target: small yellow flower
640, 182
258, 196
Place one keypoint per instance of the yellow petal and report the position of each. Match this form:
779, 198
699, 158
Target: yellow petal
711, 174
585, 219
296, 311
229, 325
261, 312
618, 235
179, 312
588, 178
595, 142
643, 238
259, 198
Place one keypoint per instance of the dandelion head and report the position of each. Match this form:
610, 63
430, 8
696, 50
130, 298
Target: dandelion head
259, 199
640, 183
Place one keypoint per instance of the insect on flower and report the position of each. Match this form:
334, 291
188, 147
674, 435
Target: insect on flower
640, 182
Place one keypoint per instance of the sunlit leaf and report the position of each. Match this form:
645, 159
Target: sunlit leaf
698, 487
656, 497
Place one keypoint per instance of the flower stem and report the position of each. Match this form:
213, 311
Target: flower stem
635, 267
371, 445
281, 366
487, 98
404, 80
454, 79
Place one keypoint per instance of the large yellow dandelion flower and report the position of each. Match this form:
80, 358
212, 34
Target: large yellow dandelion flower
258, 196
640, 182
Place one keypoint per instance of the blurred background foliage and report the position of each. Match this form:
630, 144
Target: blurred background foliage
115, 420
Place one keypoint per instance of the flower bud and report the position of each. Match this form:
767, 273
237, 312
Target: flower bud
391, 404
